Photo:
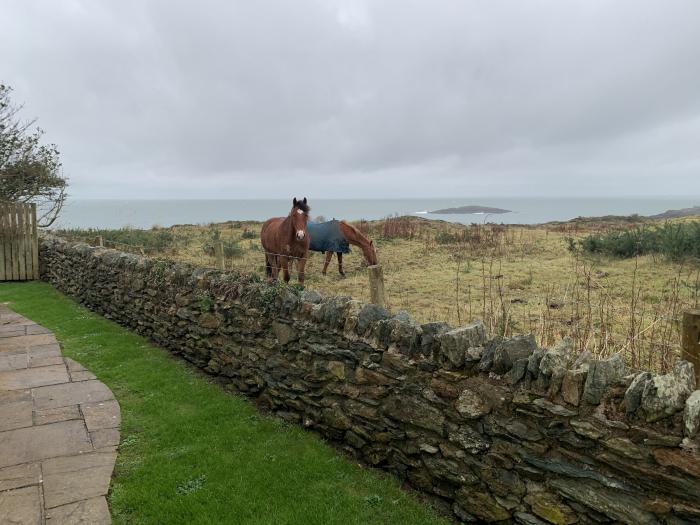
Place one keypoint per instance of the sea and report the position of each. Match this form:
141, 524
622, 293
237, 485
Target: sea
83, 213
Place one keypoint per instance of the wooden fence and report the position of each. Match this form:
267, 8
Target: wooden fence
19, 242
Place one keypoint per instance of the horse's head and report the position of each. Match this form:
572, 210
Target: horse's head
370, 254
299, 216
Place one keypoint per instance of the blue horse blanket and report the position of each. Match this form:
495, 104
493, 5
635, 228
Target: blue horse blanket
327, 237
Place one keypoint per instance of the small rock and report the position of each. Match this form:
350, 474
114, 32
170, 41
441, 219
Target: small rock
557, 357
633, 395
454, 344
602, 374
429, 449
472, 405
665, 395
624, 447
572, 386
511, 350
517, 373
583, 360
557, 410
586, 429
551, 508
533, 362
284, 332
469, 439
691, 415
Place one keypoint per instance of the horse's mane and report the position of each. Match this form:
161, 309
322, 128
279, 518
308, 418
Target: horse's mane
355, 231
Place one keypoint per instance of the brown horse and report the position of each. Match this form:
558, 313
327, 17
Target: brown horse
285, 239
334, 237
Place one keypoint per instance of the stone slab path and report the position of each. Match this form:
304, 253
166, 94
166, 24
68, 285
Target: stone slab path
59, 431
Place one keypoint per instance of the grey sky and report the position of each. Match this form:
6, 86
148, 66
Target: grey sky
336, 98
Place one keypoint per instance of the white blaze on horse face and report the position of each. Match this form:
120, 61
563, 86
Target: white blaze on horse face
300, 212
300, 235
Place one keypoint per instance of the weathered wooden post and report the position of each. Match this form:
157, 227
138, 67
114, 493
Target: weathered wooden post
376, 285
99, 241
219, 253
691, 339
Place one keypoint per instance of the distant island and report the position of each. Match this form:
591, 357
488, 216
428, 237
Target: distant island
469, 209
672, 214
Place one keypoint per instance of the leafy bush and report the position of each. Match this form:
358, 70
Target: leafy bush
249, 234
676, 241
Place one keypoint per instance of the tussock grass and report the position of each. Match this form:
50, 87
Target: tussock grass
192, 454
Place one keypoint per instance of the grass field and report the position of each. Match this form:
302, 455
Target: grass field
192, 454
517, 279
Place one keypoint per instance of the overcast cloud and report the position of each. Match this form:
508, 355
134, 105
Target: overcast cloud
337, 98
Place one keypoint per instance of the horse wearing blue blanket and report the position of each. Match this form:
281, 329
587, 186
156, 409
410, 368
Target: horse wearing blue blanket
336, 237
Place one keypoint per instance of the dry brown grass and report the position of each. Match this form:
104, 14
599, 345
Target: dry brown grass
517, 279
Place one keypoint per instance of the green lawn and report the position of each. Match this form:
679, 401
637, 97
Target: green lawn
191, 453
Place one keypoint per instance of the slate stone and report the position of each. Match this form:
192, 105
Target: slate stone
614, 505
633, 394
572, 386
602, 374
468, 439
665, 395
454, 344
518, 371
511, 350
691, 415
558, 357
472, 404
70, 394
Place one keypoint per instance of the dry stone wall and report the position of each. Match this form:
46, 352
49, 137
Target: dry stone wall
492, 430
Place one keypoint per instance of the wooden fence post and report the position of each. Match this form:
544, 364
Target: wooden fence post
376, 285
219, 253
691, 340
99, 241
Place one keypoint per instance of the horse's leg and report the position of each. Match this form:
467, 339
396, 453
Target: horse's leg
301, 264
285, 267
329, 256
268, 267
340, 264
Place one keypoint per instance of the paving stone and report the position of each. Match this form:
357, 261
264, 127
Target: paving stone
68, 487
92, 511
35, 329
20, 476
50, 349
53, 415
36, 360
89, 460
13, 396
40, 442
13, 362
85, 375
11, 331
101, 415
21, 506
107, 437
19, 343
73, 366
70, 394
33, 377
15, 415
